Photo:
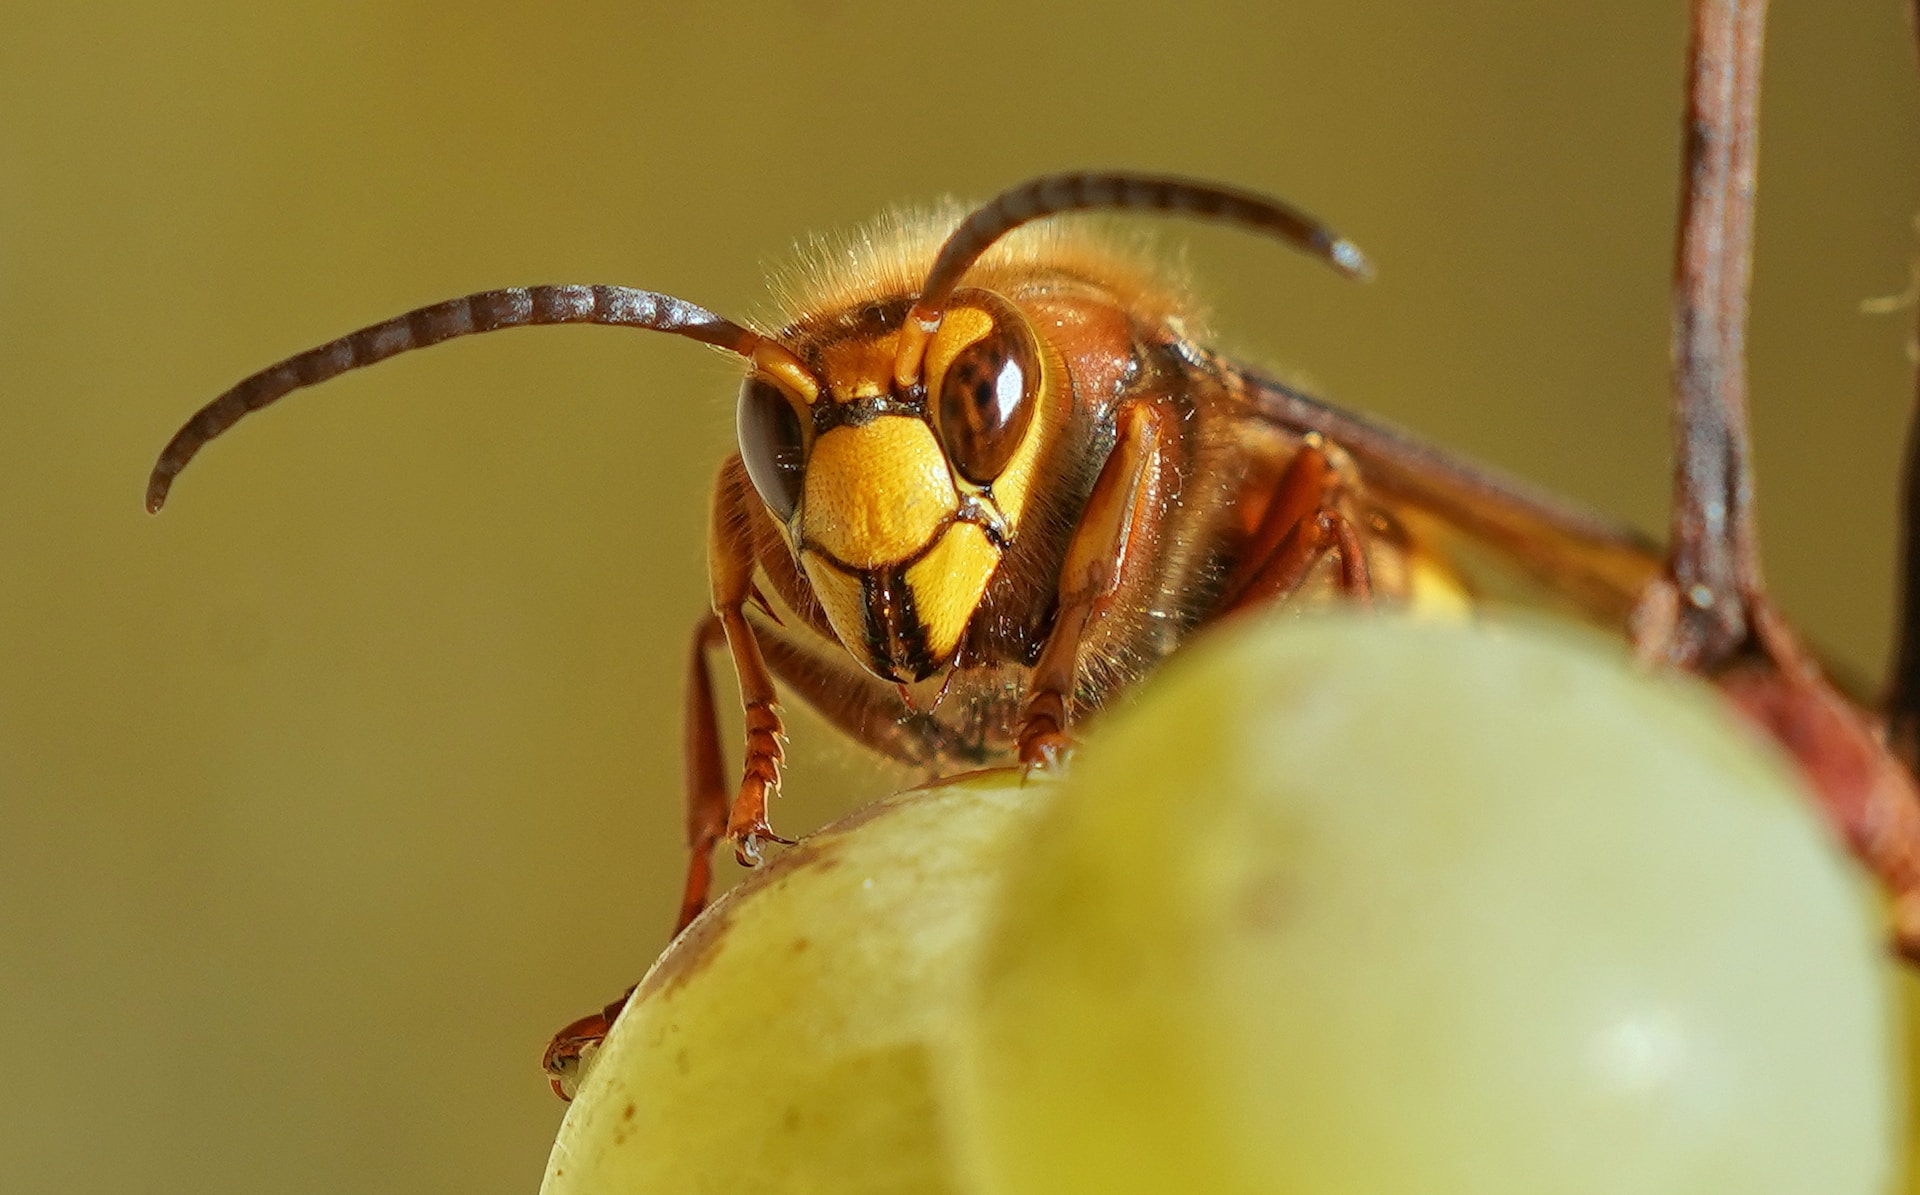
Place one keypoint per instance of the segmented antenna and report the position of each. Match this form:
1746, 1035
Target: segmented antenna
487, 311
1053, 193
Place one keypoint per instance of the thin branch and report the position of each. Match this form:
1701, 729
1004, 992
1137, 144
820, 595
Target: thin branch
1714, 565
1903, 686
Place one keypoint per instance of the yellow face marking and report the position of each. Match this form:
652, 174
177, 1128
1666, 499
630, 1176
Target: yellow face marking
963, 326
948, 583
840, 596
875, 494
857, 369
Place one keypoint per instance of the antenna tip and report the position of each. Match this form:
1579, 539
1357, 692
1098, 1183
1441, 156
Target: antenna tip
1350, 260
157, 487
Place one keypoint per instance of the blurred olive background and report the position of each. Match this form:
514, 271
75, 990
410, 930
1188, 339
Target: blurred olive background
326, 796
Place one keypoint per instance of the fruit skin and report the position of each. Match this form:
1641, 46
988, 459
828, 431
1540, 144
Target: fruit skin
784, 1043
1366, 905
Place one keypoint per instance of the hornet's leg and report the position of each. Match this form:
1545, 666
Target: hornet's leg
766, 737
706, 824
730, 565
1306, 519
706, 787
1114, 543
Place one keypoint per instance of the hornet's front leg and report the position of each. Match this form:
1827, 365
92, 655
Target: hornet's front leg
567, 1053
730, 568
730, 565
1116, 541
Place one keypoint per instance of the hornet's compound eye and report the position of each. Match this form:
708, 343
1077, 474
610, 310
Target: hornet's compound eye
985, 393
772, 445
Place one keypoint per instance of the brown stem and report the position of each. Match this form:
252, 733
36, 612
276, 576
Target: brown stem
1903, 686
1714, 564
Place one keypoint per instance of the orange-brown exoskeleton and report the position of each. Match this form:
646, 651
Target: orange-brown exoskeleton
990, 475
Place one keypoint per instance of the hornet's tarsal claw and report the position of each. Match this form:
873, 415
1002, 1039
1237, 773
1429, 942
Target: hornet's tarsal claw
570, 1052
1046, 753
749, 841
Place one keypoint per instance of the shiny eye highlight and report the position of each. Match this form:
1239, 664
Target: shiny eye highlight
772, 445
985, 399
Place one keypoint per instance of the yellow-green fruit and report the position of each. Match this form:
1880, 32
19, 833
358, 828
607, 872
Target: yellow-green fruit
1360, 906
1910, 1002
783, 1043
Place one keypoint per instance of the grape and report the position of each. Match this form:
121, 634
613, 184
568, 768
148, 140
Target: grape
1910, 1023
1363, 905
785, 1042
